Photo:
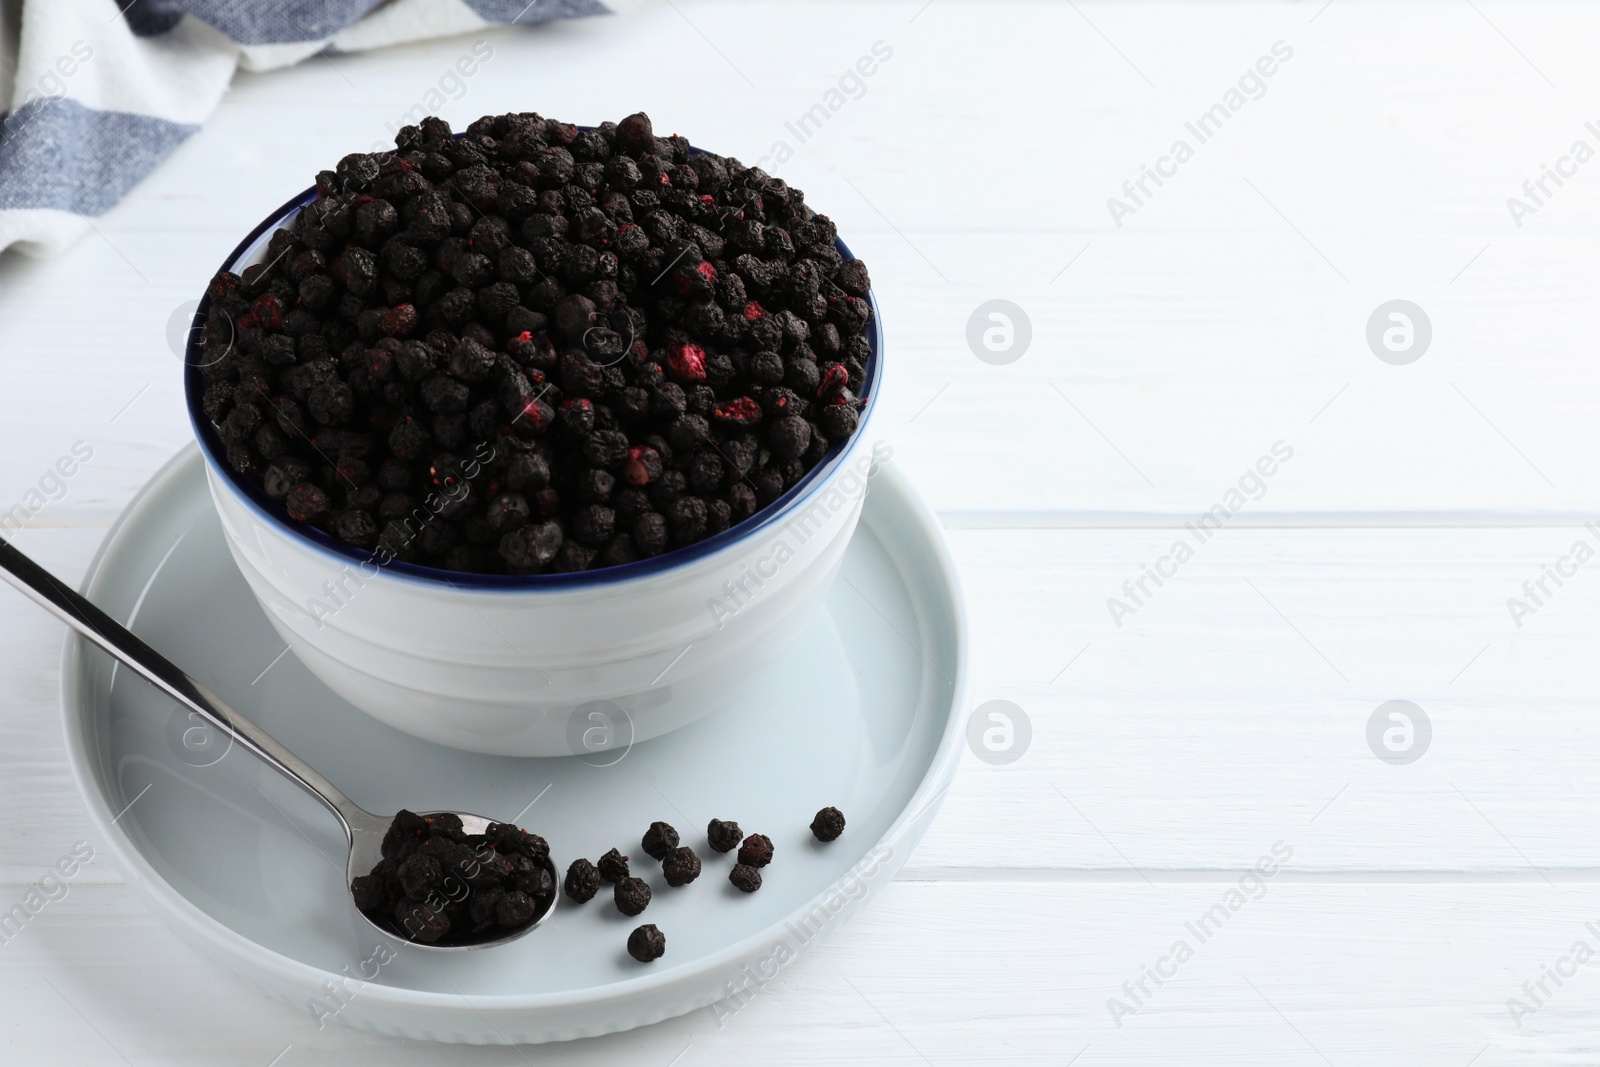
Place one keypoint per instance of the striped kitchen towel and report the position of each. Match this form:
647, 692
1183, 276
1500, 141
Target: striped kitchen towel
95, 93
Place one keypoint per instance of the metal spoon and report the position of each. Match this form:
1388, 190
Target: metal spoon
363, 830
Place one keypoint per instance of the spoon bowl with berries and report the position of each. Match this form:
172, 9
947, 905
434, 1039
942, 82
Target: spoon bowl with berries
444, 880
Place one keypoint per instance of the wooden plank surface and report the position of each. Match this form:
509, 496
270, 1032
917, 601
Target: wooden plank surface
943, 973
1206, 722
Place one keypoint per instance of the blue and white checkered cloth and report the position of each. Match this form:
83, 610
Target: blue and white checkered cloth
95, 93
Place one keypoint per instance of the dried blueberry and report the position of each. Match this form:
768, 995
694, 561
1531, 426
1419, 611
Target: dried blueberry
828, 824
371, 892
582, 881
515, 910
613, 866
420, 873
724, 835
756, 850
680, 866
647, 943
422, 921
659, 840
529, 549
632, 895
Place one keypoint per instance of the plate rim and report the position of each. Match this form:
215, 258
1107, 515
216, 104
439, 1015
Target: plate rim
246, 955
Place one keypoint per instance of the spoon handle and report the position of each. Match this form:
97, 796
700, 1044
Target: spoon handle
77, 612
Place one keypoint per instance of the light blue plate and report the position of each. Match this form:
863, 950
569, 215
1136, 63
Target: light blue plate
862, 713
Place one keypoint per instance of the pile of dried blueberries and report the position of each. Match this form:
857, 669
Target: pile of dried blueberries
439, 885
537, 348
680, 865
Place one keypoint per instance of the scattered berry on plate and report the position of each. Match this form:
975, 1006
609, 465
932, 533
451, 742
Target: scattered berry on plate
681, 866
632, 895
828, 824
582, 882
724, 835
745, 878
660, 839
756, 850
647, 943
613, 866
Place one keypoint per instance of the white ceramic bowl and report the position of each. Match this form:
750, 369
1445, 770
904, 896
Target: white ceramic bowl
542, 665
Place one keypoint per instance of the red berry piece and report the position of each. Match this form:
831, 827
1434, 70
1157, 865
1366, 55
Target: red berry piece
740, 411
753, 311
687, 362
834, 376
642, 466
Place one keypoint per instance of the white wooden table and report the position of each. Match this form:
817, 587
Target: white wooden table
1228, 713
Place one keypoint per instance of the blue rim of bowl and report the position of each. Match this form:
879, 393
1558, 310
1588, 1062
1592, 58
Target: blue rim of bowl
253, 495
